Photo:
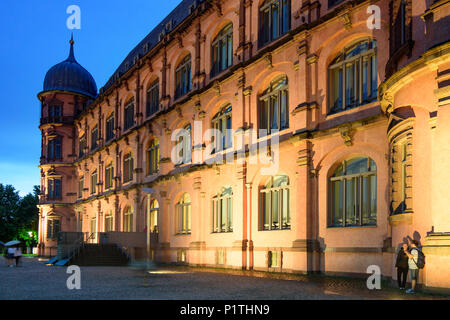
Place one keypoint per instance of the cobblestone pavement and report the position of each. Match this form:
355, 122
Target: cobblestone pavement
35, 280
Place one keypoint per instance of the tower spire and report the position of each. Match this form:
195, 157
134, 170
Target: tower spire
71, 54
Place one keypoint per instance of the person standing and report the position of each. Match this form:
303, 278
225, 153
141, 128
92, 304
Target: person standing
10, 255
412, 264
17, 255
402, 266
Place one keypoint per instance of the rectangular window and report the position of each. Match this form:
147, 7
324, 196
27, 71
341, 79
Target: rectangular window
80, 187
152, 99
110, 128
128, 168
274, 21
82, 146
94, 182
109, 223
222, 214
129, 115
109, 172
273, 259
53, 228
222, 51
54, 149
54, 189
94, 138
183, 77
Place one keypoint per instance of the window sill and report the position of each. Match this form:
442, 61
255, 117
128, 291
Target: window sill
351, 110
285, 229
182, 234
352, 227
222, 232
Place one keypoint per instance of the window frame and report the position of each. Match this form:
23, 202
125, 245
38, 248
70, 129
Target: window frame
94, 182
52, 228
269, 189
221, 41
109, 176
152, 103
274, 93
53, 147
128, 118
54, 192
341, 64
94, 138
266, 27
183, 210
358, 202
128, 167
217, 214
128, 217
221, 118
152, 158
183, 69
110, 127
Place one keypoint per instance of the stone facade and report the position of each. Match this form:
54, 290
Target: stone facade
387, 112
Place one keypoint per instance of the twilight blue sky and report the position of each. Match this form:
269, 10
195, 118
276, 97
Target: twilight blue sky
34, 37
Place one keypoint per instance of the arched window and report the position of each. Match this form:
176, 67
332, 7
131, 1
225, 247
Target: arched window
152, 106
221, 123
152, 155
183, 215
128, 167
152, 213
274, 107
183, 77
128, 220
129, 115
222, 211
353, 193
353, 76
184, 139
274, 20
222, 50
109, 175
275, 204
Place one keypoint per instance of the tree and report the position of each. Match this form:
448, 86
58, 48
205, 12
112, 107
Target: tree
18, 216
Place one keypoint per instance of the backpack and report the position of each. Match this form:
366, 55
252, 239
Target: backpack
420, 260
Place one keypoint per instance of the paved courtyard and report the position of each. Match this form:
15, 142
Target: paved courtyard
35, 280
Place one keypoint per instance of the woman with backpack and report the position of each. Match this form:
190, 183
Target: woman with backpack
402, 266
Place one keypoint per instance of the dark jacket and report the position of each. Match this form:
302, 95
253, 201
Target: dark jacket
402, 259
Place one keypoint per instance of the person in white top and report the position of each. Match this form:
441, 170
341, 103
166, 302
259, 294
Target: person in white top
413, 256
17, 255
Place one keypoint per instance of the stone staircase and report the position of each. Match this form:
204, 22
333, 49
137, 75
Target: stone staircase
100, 255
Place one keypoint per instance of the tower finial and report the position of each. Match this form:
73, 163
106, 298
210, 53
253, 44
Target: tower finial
71, 54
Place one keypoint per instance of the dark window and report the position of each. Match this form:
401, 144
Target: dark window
128, 168
274, 21
54, 149
94, 181
275, 204
55, 113
110, 127
221, 124
109, 172
94, 138
53, 228
80, 187
129, 115
82, 146
274, 107
353, 76
153, 158
222, 50
400, 20
183, 77
334, 2
54, 189
153, 99
353, 194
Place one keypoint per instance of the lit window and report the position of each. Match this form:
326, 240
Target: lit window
153, 157
275, 204
128, 220
353, 76
183, 215
222, 210
353, 194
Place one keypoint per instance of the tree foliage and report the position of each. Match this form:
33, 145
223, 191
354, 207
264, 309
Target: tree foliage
18, 216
